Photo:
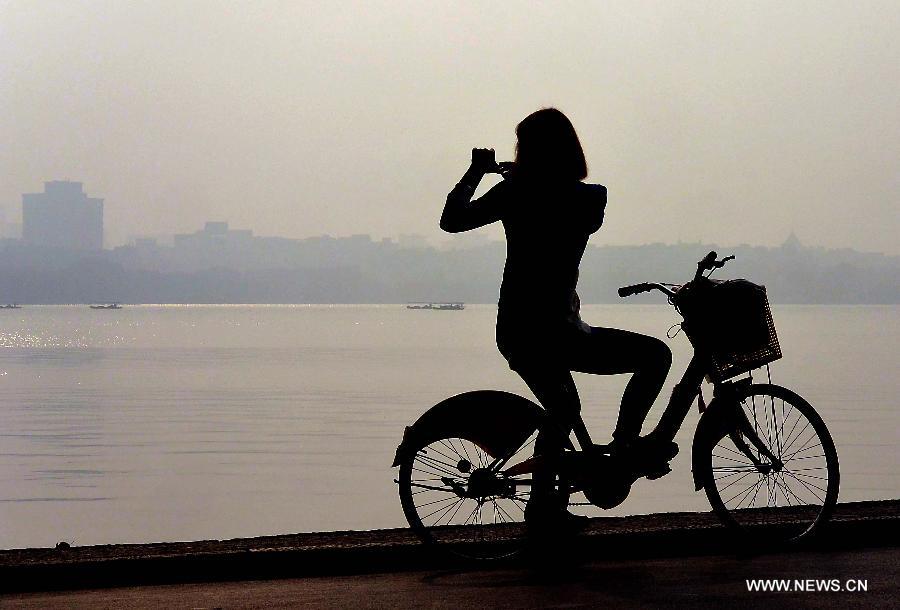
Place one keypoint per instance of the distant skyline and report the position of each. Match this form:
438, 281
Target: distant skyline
220, 265
464, 240
713, 122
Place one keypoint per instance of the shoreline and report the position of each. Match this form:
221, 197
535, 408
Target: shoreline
854, 525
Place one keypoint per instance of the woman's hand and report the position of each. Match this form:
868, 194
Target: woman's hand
505, 168
483, 161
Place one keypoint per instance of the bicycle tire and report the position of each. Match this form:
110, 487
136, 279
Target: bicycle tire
800, 514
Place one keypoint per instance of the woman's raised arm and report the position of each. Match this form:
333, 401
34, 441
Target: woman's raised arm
463, 214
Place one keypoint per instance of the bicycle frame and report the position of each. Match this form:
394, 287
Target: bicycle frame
680, 401
723, 410
682, 398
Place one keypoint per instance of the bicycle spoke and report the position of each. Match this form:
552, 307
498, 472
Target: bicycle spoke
784, 491
457, 500
485, 457
743, 492
437, 474
435, 502
463, 444
753, 408
505, 513
497, 511
753, 490
734, 474
519, 500
805, 443
753, 501
809, 476
735, 482
794, 427
446, 468
440, 453
784, 419
449, 445
768, 426
811, 457
724, 457
788, 488
450, 518
735, 451
799, 434
775, 427
808, 486
791, 457
432, 487
460, 451
472, 514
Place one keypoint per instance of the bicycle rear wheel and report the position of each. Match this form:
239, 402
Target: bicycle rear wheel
778, 500
454, 499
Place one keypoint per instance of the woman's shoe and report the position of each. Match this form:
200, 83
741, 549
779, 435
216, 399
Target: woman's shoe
647, 455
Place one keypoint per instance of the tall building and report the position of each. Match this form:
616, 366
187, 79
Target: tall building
63, 216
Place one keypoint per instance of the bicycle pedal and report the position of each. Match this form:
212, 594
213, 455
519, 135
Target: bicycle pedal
659, 473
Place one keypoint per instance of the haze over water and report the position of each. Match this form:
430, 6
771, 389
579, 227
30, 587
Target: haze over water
733, 122
161, 423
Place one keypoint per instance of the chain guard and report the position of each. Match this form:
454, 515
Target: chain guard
604, 480
610, 493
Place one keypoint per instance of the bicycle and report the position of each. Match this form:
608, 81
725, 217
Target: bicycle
465, 464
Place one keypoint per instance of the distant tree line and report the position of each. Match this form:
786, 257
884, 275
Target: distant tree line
360, 270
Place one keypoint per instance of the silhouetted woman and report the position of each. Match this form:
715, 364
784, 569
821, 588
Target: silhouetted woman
548, 214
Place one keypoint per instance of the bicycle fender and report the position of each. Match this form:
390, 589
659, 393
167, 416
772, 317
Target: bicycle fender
497, 421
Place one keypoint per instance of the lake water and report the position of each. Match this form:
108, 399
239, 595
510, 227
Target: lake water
159, 423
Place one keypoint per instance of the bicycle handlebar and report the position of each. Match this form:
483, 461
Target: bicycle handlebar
708, 263
627, 291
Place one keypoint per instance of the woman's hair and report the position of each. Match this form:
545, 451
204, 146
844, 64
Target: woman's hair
548, 147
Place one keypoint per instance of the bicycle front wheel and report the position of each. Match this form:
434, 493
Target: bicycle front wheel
776, 475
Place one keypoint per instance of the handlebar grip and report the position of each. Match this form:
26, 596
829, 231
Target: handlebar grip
627, 291
708, 262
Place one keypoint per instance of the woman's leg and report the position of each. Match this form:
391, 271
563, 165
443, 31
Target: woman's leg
555, 390
610, 351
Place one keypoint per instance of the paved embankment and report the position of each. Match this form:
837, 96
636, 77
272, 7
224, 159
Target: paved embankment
854, 525
856, 578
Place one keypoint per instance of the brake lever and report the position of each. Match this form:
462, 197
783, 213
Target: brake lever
721, 263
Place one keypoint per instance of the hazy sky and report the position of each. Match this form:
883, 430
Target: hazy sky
716, 121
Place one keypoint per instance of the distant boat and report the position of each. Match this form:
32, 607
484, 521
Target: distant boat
437, 306
110, 306
11, 306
